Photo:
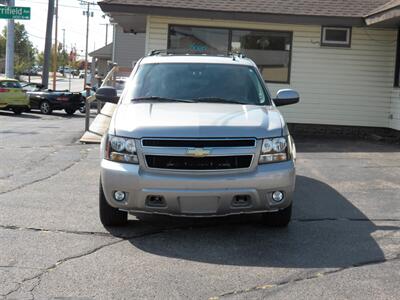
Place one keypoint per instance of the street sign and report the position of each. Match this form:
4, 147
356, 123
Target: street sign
15, 12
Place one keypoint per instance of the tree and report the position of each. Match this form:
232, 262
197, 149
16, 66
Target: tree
24, 51
62, 57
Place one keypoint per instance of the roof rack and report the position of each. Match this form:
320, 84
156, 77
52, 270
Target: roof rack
157, 52
237, 54
167, 52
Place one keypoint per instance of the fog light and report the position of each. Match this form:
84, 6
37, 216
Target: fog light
277, 196
119, 196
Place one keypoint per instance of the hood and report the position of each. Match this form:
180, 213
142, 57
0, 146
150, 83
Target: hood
196, 120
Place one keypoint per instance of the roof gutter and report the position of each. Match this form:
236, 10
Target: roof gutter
231, 15
388, 18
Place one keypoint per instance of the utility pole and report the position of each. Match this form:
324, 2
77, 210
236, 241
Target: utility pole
88, 14
47, 48
63, 30
106, 34
106, 24
55, 50
63, 51
10, 45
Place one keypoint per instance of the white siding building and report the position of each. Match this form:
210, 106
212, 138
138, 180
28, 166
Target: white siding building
128, 47
342, 63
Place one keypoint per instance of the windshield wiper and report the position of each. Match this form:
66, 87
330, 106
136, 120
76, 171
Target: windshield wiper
219, 100
161, 99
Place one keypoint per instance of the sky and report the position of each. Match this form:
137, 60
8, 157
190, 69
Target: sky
71, 19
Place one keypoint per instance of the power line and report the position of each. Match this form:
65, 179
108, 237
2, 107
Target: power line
60, 5
35, 36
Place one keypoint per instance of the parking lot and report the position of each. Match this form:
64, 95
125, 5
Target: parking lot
343, 242
63, 83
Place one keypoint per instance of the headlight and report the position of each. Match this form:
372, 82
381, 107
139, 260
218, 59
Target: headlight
274, 150
121, 149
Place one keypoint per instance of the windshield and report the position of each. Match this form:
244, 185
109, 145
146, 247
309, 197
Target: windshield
198, 82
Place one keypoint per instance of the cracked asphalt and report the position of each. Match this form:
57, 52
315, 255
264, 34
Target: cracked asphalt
343, 242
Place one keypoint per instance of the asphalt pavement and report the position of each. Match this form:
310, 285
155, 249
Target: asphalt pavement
343, 242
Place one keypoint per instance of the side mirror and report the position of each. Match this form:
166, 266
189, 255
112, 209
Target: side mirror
286, 97
107, 94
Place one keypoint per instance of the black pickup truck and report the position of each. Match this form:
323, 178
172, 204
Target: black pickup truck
48, 100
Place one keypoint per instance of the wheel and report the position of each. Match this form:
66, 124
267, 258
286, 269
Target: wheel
70, 111
82, 109
110, 216
280, 218
17, 110
45, 108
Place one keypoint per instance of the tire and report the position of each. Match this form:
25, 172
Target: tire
70, 111
82, 109
17, 110
45, 108
110, 216
279, 218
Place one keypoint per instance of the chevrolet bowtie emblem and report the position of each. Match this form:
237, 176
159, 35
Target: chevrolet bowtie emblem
198, 152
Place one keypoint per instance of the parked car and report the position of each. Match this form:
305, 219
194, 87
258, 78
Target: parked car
32, 72
48, 100
88, 76
197, 136
66, 71
12, 97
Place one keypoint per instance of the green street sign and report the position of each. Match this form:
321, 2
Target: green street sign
15, 12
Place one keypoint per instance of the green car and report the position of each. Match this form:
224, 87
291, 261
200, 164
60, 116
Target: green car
12, 97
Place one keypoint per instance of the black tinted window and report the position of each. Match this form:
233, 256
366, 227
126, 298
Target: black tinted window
193, 81
336, 35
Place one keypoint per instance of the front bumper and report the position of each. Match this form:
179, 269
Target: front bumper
189, 194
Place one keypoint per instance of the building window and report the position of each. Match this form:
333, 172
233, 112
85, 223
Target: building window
336, 36
183, 39
270, 50
397, 66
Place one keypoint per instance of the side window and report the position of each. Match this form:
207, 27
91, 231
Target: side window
11, 84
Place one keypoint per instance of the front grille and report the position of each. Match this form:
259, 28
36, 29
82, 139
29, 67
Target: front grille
199, 163
199, 143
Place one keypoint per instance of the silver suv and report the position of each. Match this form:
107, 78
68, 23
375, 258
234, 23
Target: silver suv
197, 136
